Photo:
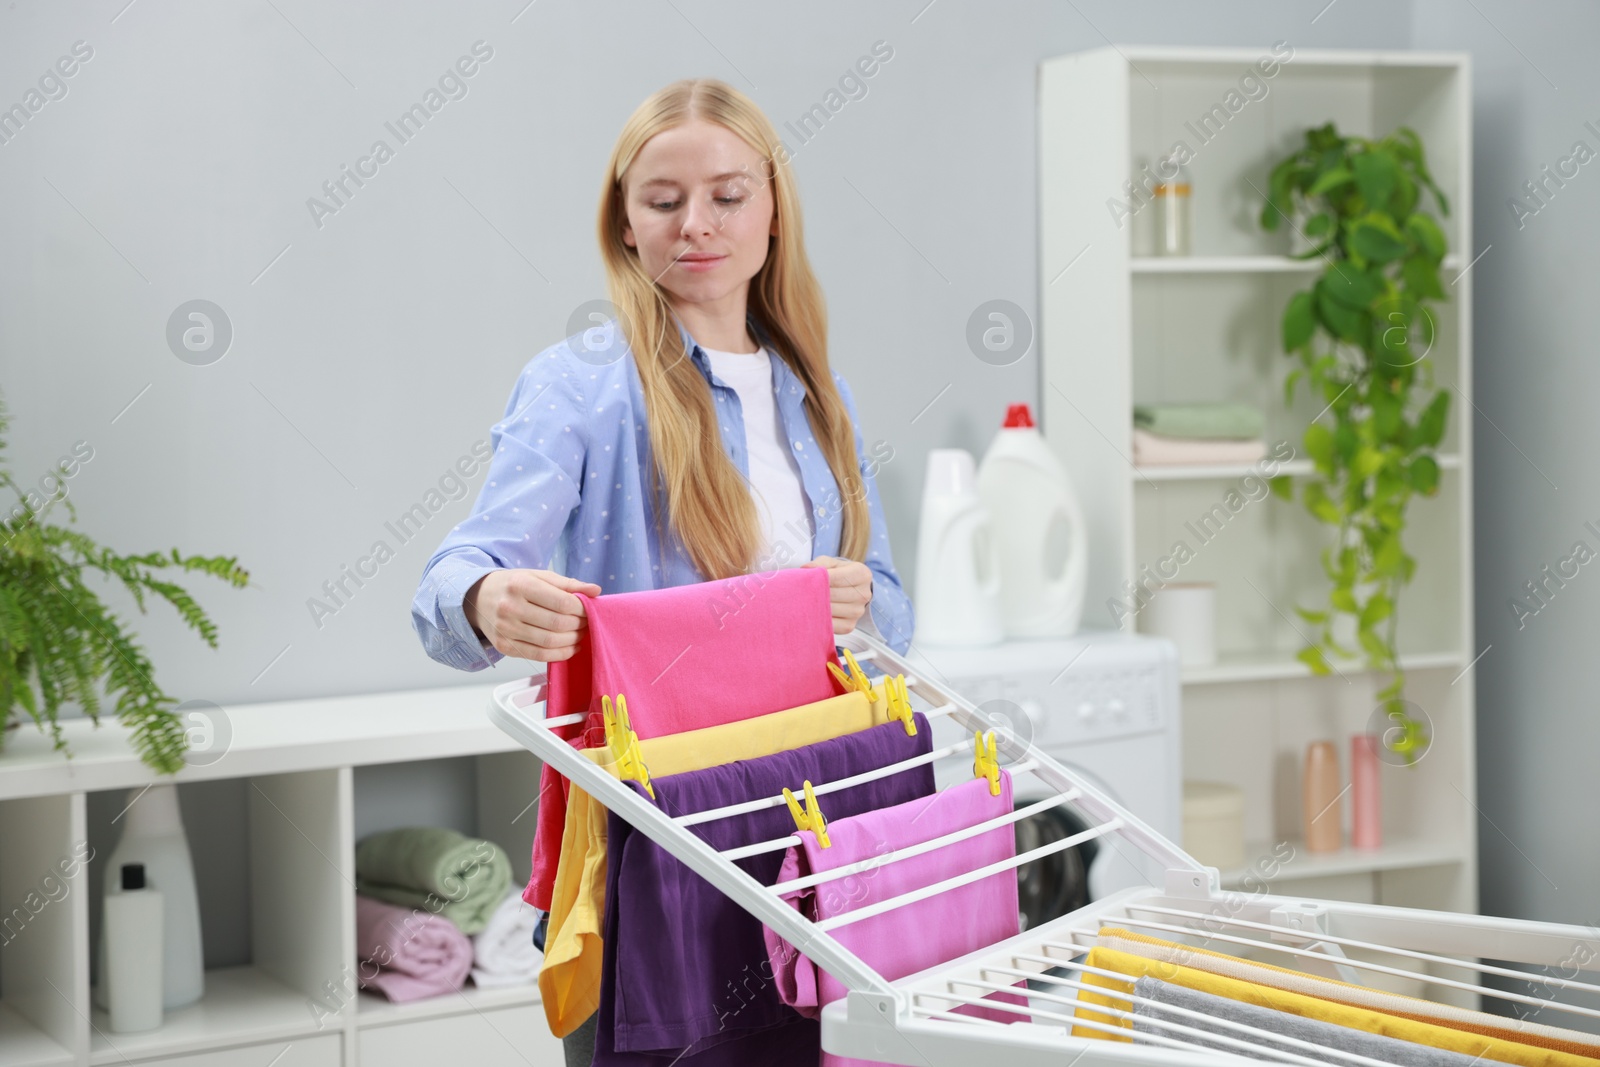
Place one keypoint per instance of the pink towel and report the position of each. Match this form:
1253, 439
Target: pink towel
914, 936
1155, 450
407, 954
686, 657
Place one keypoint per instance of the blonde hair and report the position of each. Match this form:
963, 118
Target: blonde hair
708, 502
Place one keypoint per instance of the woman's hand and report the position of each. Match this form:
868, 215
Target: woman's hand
529, 614
849, 590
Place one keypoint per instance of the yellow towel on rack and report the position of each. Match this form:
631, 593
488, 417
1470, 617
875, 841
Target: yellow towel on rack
1477, 1022
569, 981
1372, 1022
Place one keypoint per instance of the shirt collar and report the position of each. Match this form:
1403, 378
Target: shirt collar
783, 376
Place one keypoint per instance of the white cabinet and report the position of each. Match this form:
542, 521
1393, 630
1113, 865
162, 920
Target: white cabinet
1121, 326
300, 768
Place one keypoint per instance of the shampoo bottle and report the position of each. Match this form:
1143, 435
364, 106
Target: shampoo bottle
132, 939
152, 835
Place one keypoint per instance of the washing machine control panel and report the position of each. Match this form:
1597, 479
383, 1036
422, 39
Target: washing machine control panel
1098, 705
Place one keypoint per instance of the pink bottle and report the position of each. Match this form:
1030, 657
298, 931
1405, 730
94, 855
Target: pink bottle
1366, 817
1320, 792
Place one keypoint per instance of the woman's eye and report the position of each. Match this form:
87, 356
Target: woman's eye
665, 205
730, 199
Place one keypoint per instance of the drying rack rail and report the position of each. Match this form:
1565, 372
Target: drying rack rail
912, 1020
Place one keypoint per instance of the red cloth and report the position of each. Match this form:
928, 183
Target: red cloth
685, 657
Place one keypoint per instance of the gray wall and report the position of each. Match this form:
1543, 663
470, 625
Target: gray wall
372, 351
1536, 85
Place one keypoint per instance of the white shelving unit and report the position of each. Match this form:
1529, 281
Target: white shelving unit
295, 1003
1126, 326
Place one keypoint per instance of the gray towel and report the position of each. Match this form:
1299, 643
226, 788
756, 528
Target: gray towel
1329, 1035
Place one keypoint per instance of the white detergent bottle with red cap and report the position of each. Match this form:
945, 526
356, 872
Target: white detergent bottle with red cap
1038, 522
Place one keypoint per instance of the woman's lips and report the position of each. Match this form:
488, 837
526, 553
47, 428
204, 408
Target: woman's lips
700, 265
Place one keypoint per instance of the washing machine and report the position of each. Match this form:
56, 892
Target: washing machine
1106, 705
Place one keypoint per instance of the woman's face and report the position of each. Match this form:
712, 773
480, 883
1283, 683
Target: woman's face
700, 212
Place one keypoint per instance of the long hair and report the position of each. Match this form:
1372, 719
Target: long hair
708, 502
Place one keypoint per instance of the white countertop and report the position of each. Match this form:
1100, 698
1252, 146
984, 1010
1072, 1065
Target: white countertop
267, 738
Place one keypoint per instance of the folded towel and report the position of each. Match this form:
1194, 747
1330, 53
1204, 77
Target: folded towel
435, 870
1153, 450
1205, 421
503, 954
407, 954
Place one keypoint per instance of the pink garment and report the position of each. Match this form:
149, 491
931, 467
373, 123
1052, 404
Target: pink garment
686, 657
407, 954
914, 936
1156, 450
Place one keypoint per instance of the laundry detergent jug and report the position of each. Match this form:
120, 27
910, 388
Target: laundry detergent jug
1039, 526
958, 563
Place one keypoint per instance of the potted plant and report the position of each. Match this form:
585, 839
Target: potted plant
59, 643
1361, 335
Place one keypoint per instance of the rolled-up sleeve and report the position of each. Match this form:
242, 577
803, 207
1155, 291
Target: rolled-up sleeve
890, 612
535, 472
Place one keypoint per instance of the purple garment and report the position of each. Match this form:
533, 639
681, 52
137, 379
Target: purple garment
684, 967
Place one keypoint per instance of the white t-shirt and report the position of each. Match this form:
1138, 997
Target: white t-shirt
782, 509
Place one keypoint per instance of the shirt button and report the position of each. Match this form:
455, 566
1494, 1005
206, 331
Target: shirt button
821, 512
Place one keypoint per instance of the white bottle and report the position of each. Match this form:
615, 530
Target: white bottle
958, 563
152, 835
132, 975
1038, 521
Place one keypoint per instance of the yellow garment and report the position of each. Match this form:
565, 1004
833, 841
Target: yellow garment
569, 981
1426, 1011
1372, 1022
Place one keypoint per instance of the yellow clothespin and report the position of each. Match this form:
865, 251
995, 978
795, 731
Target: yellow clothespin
809, 817
899, 697
623, 743
985, 764
856, 679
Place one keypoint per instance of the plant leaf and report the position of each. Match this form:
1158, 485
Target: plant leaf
1331, 179
1298, 321
1431, 424
1375, 173
1428, 235
1423, 474
1376, 239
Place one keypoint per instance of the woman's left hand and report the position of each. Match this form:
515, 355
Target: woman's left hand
849, 590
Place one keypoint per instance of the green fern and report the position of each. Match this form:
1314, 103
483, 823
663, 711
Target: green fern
59, 643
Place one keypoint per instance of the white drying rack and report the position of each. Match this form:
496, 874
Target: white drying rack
911, 1021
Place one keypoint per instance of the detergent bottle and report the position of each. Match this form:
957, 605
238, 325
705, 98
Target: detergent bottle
958, 562
1039, 524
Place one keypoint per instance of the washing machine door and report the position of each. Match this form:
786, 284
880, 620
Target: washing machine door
1056, 884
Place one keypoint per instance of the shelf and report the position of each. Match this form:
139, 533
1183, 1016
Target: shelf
1268, 666
374, 1010
269, 738
24, 1045
1392, 856
1239, 264
241, 1005
1228, 471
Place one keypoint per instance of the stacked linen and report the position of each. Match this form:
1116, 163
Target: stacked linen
421, 891
503, 953
1187, 434
914, 936
407, 954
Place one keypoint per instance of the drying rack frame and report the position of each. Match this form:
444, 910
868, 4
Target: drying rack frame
908, 1021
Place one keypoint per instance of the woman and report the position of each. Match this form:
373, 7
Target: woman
697, 435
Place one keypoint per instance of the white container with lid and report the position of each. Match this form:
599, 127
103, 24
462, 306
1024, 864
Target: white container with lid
1213, 824
958, 561
1039, 524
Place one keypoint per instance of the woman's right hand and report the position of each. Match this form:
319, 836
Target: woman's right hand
529, 614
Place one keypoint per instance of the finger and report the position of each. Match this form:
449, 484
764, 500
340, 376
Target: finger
572, 585
529, 637
524, 650
542, 593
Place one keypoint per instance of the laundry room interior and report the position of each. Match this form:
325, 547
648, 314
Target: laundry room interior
1167, 456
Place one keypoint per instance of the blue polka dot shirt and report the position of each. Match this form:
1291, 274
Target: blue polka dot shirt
569, 473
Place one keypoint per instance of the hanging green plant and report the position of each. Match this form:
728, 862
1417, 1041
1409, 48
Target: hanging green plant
59, 643
1361, 335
